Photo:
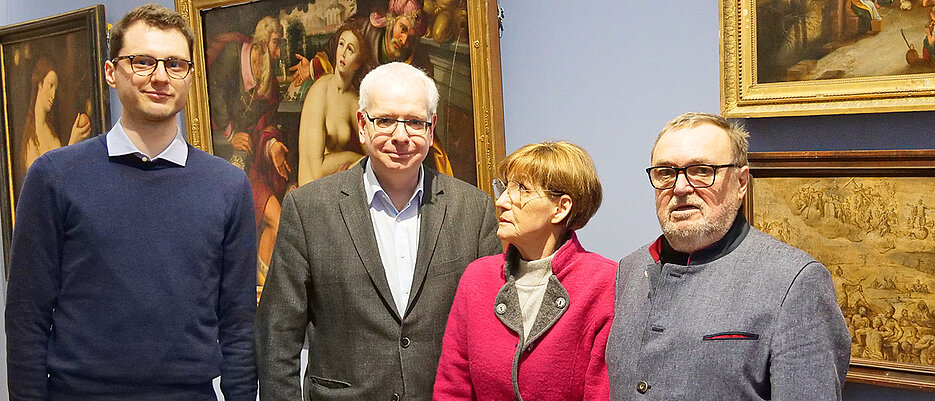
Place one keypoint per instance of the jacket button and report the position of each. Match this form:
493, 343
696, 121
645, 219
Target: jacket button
501, 308
395, 397
560, 303
404, 342
642, 386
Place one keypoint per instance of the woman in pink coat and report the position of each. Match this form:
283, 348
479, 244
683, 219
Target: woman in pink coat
532, 323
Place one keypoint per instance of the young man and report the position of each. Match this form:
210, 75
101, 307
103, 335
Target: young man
371, 258
716, 309
133, 257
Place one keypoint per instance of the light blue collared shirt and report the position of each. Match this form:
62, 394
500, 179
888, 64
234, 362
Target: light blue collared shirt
119, 144
397, 234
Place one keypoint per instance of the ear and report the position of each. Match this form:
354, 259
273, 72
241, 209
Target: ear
743, 179
361, 124
562, 209
431, 137
109, 70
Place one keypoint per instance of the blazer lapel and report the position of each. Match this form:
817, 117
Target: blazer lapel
356, 214
432, 214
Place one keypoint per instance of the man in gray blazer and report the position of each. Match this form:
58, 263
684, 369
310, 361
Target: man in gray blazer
715, 309
369, 259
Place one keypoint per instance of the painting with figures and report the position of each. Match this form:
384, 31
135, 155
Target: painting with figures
876, 235
281, 81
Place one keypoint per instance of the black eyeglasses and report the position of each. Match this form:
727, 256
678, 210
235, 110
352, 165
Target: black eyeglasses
697, 175
144, 65
386, 125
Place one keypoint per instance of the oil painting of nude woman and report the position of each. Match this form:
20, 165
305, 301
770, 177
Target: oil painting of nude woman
327, 130
53, 93
281, 88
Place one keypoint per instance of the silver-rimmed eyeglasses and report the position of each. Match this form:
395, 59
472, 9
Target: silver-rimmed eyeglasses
518, 193
144, 65
386, 125
697, 175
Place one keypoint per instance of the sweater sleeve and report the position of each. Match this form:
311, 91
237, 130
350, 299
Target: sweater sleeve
237, 303
282, 316
453, 378
35, 280
811, 348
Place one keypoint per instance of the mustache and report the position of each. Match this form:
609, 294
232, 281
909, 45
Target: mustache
686, 200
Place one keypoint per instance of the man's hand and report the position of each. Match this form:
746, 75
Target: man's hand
241, 141
277, 154
302, 70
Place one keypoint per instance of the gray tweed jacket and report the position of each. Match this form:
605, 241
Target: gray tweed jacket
326, 275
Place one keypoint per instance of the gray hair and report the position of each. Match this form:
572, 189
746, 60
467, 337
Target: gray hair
736, 133
401, 73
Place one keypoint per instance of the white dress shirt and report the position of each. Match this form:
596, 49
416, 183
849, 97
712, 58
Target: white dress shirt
397, 233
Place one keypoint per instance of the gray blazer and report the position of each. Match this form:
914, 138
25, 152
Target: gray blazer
326, 274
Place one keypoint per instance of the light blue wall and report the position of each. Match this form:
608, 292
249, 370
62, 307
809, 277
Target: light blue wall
607, 75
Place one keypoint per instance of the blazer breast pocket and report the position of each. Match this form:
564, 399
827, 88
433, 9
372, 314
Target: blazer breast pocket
448, 265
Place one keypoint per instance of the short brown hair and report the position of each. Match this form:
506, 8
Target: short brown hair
559, 167
153, 15
736, 133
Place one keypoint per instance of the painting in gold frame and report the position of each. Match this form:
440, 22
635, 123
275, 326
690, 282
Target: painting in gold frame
869, 217
53, 93
809, 57
273, 111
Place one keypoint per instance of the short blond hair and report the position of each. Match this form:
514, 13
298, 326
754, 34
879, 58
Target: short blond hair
736, 133
559, 167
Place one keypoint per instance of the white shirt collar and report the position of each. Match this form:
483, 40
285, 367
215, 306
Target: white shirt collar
119, 144
372, 186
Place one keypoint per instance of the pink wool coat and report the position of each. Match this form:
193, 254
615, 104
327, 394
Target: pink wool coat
484, 356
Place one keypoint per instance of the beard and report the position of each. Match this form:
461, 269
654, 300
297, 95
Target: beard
262, 69
688, 237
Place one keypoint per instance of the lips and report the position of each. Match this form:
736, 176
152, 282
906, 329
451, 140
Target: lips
157, 95
683, 211
685, 208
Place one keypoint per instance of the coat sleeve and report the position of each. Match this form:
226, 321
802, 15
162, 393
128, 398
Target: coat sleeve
453, 377
488, 242
282, 315
811, 347
596, 381
35, 280
237, 301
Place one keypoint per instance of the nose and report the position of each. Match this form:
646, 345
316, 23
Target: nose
403, 38
682, 187
400, 135
160, 74
503, 201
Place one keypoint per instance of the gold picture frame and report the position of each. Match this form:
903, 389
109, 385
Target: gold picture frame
869, 217
810, 57
247, 105
68, 49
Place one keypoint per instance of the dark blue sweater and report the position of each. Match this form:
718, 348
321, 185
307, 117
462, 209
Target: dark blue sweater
131, 279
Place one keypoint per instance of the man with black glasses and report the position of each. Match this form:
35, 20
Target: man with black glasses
371, 258
133, 254
715, 309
